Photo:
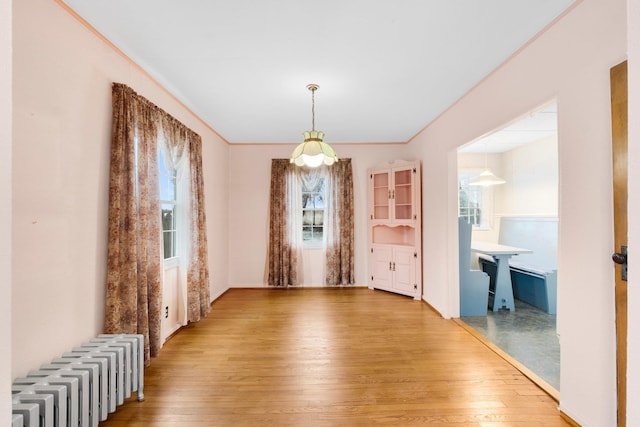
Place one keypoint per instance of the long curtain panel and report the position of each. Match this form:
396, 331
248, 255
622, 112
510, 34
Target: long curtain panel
282, 256
133, 288
134, 267
198, 293
339, 227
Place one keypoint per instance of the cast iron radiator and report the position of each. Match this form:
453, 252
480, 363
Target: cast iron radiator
83, 386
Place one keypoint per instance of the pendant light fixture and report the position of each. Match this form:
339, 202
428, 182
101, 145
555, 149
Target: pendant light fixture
486, 178
313, 151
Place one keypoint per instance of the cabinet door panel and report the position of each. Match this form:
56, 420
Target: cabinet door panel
404, 270
381, 259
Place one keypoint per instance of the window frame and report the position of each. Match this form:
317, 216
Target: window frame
168, 177
314, 243
484, 197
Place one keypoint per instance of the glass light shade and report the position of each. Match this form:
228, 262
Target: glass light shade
486, 178
313, 151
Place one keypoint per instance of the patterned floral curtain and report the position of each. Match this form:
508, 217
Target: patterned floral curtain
282, 256
338, 235
198, 297
134, 292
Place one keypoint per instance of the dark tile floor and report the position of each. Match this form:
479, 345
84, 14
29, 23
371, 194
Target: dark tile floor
528, 335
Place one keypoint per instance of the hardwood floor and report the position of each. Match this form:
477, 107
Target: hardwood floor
331, 357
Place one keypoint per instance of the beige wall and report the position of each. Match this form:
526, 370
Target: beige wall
5, 209
531, 172
62, 118
569, 62
250, 174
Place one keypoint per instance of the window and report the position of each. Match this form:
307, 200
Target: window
167, 207
313, 206
474, 201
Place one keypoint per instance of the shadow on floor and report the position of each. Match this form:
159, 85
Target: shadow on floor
528, 335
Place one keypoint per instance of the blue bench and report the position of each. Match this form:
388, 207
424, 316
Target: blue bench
474, 284
536, 287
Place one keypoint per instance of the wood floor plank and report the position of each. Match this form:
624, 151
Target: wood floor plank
331, 357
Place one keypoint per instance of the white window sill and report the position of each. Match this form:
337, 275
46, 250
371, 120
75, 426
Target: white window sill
170, 263
313, 246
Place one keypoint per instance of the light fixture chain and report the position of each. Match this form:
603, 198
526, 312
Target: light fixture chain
313, 109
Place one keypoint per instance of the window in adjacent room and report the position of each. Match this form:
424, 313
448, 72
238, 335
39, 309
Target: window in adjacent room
167, 207
474, 202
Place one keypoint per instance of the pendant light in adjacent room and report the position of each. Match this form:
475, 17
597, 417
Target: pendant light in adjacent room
313, 151
486, 178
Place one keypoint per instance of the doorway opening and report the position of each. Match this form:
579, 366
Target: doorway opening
521, 214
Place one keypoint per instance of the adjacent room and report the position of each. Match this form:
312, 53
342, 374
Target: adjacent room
508, 194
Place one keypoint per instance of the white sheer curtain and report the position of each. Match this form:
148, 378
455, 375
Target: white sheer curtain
312, 178
294, 218
176, 159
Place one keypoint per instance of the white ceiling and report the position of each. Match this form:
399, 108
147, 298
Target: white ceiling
386, 69
535, 126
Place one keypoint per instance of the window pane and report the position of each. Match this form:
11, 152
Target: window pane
307, 233
318, 200
307, 217
313, 205
167, 182
312, 234
167, 187
169, 239
313, 217
307, 201
474, 201
168, 217
167, 179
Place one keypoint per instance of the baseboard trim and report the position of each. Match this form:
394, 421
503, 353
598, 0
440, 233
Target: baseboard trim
568, 419
430, 307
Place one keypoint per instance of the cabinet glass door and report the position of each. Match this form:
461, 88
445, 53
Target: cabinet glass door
402, 194
381, 194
